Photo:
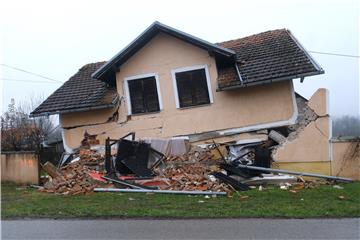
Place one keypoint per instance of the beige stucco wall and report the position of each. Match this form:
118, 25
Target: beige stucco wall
346, 159
20, 168
86, 118
311, 145
230, 109
310, 150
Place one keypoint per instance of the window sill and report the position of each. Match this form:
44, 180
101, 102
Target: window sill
195, 106
141, 114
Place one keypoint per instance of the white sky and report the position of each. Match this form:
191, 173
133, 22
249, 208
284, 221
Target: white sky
56, 38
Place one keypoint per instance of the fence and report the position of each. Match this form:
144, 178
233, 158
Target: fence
20, 167
346, 158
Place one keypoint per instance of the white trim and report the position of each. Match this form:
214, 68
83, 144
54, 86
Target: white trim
190, 68
290, 121
147, 75
250, 140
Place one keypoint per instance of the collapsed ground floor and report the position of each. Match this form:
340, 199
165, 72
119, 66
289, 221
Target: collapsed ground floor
302, 144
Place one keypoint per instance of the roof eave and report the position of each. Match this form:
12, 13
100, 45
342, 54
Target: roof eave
72, 110
249, 84
312, 60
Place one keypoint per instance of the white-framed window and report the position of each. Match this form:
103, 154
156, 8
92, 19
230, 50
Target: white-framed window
143, 93
192, 86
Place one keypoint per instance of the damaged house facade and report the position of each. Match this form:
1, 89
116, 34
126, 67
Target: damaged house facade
168, 84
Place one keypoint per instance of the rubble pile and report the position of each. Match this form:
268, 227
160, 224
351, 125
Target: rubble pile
182, 173
137, 167
91, 158
75, 178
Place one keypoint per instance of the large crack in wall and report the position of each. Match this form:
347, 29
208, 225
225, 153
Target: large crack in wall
308, 139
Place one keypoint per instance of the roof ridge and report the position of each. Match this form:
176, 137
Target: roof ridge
91, 64
146, 36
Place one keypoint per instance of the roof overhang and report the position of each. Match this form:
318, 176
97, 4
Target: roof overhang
262, 82
72, 110
113, 64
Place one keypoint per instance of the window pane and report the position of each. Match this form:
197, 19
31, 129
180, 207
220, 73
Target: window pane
143, 95
151, 95
184, 91
192, 88
136, 96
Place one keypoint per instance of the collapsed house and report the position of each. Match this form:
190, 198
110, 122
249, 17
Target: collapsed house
170, 86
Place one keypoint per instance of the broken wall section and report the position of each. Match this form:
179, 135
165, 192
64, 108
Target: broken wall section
307, 146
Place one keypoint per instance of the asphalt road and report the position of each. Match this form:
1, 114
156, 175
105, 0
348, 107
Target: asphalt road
182, 229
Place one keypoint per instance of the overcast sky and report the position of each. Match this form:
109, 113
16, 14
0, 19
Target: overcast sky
56, 38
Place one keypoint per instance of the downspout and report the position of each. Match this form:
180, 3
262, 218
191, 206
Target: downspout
238, 73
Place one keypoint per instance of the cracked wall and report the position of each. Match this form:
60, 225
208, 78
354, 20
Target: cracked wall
265, 104
307, 147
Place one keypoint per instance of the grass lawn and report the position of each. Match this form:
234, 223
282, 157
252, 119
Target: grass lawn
323, 201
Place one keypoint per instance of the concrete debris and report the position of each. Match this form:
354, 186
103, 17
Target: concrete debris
191, 174
89, 140
277, 137
305, 116
209, 169
75, 178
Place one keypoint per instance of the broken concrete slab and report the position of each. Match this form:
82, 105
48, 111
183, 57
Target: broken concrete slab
241, 138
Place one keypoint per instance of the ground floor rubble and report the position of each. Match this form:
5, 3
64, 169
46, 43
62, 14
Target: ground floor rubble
132, 167
214, 162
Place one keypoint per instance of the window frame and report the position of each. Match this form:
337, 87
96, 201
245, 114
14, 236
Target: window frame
186, 69
127, 91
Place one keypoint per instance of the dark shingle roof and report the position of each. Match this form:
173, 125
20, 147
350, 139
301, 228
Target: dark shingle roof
271, 55
80, 92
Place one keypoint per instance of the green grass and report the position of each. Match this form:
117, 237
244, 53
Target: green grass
319, 202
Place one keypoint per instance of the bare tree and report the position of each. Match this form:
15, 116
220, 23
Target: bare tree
19, 131
346, 126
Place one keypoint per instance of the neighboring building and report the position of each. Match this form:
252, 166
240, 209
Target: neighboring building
167, 83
